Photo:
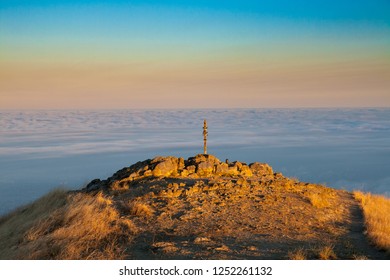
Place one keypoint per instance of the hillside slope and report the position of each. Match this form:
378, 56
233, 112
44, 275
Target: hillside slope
199, 208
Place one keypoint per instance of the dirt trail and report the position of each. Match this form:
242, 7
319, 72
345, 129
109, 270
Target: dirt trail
356, 236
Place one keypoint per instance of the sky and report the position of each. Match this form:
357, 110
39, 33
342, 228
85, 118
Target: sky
194, 54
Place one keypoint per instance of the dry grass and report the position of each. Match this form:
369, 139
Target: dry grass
320, 199
140, 209
66, 226
30, 212
326, 253
298, 254
15, 224
376, 211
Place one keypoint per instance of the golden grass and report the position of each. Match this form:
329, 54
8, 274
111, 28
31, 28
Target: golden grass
320, 199
298, 254
376, 210
15, 224
66, 226
136, 208
141, 209
326, 253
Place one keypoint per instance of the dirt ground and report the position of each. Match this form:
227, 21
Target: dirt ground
242, 218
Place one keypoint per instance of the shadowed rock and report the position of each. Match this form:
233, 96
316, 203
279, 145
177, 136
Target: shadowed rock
93, 185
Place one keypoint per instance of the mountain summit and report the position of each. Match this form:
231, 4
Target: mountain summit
195, 208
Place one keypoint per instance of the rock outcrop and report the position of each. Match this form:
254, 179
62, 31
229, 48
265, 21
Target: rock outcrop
200, 166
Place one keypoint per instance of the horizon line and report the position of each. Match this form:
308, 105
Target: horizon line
199, 108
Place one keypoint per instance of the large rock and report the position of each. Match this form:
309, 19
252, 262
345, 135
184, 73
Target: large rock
93, 185
203, 158
245, 171
165, 166
233, 168
202, 164
222, 169
261, 169
180, 163
191, 169
205, 168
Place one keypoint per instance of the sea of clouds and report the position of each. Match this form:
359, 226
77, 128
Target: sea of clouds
342, 148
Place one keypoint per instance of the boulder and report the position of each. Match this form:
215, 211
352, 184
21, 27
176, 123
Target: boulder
237, 164
233, 168
203, 158
261, 169
221, 169
184, 173
165, 166
180, 163
246, 171
93, 185
205, 168
191, 169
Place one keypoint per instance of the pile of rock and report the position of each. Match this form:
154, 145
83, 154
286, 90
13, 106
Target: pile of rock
199, 166
204, 166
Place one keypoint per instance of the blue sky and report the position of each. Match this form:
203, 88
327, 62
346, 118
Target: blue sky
211, 41
377, 10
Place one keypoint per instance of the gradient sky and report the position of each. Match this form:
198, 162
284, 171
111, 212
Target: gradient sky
194, 54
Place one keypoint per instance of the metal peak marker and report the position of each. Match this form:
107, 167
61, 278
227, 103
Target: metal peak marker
205, 137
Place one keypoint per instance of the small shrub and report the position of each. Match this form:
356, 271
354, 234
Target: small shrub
298, 254
326, 253
141, 209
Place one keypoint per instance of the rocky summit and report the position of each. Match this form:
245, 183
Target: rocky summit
200, 166
195, 208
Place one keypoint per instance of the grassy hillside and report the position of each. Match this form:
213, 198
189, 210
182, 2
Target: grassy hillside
200, 208
64, 225
376, 211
